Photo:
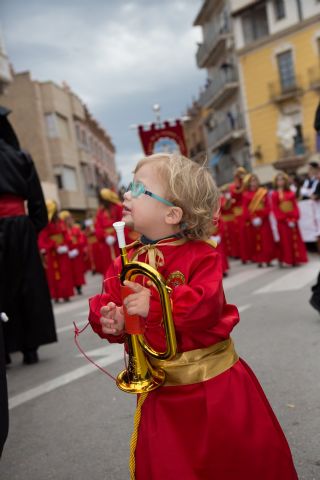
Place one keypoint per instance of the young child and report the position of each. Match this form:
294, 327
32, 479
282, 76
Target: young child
256, 210
211, 418
292, 250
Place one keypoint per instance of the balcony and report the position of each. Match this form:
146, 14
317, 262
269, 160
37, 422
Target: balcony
286, 90
314, 78
224, 84
228, 131
215, 43
206, 11
289, 160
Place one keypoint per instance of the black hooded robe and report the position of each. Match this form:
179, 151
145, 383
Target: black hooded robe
4, 414
24, 293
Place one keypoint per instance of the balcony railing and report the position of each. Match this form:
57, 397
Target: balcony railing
281, 91
230, 129
293, 158
207, 50
225, 82
314, 78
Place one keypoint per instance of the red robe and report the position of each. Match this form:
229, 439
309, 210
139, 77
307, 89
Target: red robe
230, 233
93, 248
240, 245
222, 428
77, 240
219, 231
58, 266
292, 249
259, 238
103, 228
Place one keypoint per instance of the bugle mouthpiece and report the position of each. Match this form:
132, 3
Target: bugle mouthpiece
119, 228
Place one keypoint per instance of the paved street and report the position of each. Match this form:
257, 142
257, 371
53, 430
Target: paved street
68, 421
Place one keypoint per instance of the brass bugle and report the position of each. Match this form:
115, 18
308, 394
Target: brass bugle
141, 376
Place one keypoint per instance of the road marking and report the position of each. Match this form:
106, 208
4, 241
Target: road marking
296, 279
243, 277
243, 308
58, 310
97, 352
114, 354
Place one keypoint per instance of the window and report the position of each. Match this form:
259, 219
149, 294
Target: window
299, 148
69, 179
279, 9
59, 181
255, 24
63, 127
84, 138
52, 127
89, 179
89, 143
224, 22
286, 70
78, 133
66, 178
57, 126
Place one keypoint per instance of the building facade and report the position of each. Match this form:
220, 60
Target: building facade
5, 73
278, 49
224, 124
194, 133
74, 156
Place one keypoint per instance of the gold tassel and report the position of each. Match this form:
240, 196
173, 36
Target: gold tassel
134, 436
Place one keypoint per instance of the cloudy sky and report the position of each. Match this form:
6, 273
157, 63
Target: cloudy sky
120, 56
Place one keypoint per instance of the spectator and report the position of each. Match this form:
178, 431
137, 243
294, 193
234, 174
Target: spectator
310, 184
24, 294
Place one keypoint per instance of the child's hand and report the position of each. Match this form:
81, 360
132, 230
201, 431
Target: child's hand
112, 319
137, 303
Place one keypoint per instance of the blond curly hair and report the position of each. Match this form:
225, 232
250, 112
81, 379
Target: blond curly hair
189, 186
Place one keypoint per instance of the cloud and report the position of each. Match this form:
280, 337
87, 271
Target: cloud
115, 58
128, 161
120, 57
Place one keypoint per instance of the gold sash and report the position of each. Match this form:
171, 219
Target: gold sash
198, 365
286, 206
237, 211
258, 196
92, 239
58, 238
227, 218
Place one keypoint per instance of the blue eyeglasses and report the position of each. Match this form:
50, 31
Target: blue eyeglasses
137, 189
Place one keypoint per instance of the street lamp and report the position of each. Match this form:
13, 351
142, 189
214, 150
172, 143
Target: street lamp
156, 108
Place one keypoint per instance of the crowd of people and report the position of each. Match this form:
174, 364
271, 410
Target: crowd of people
69, 249
255, 224
260, 224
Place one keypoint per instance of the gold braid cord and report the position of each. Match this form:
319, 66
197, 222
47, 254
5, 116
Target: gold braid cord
134, 436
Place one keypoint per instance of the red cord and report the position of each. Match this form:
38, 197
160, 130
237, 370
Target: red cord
76, 334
